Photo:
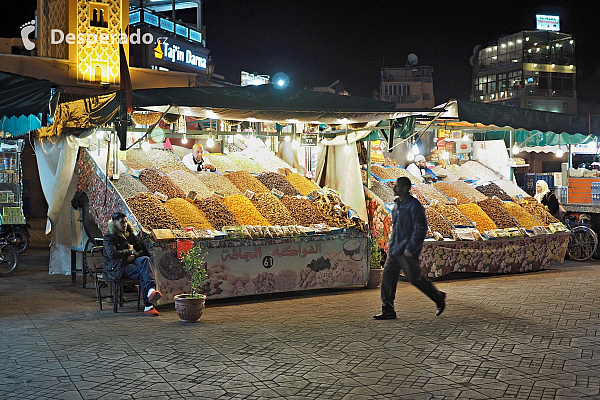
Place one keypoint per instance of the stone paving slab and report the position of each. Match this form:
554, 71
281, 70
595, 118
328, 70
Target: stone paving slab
529, 336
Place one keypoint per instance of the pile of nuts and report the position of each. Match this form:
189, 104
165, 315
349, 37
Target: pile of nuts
478, 216
302, 184
274, 180
418, 195
264, 282
245, 163
451, 192
539, 211
382, 173
216, 212
469, 191
243, 180
218, 183
432, 193
437, 223
302, 210
156, 181
449, 174
166, 160
189, 182
335, 212
272, 209
269, 162
128, 186
502, 218
453, 214
137, 159
491, 190
526, 220
383, 191
151, 213
222, 163
398, 172
187, 215
244, 211
510, 188
475, 170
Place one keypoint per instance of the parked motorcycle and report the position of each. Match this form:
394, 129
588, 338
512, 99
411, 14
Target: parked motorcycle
9, 258
17, 235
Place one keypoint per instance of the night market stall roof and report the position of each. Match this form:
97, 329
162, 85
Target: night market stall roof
23, 95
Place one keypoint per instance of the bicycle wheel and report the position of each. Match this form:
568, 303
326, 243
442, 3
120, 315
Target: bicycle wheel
9, 259
582, 243
19, 238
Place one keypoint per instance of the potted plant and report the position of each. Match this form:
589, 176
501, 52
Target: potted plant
189, 306
375, 269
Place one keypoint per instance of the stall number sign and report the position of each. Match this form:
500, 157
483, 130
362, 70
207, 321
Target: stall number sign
310, 139
179, 55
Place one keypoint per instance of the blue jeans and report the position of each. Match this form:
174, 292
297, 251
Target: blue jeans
141, 270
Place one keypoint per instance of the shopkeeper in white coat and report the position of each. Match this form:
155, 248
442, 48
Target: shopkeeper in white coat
418, 168
196, 161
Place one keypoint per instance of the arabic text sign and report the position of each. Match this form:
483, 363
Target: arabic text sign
547, 22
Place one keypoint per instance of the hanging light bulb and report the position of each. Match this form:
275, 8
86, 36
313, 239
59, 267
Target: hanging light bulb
410, 156
146, 145
210, 142
415, 149
559, 153
184, 139
287, 139
515, 149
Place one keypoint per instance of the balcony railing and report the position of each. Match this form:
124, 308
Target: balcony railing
391, 78
143, 16
401, 99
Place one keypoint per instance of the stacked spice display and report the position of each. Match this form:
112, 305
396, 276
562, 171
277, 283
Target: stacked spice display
431, 193
244, 211
218, 183
128, 186
302, 210
437, 223
491, 190
222, 163
302, 184
398, 172
216, 212
272, 209
245, 163
382, 173
137, 159
189, 182
478, 216
383, 191
453, 215
156, 181
187, 215
526, 220
469, 191
243, 180
273, 180
452, 192
151, 213
502, 218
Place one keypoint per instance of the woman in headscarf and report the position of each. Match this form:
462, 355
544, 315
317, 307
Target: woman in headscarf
546, 197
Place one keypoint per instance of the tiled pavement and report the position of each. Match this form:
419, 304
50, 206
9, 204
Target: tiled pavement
529, 336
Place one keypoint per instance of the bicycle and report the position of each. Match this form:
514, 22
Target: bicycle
582, 241
9, 258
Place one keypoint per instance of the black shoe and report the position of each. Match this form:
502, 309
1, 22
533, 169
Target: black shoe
387, 314
442, 307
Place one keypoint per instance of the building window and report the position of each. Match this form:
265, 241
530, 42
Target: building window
99, 15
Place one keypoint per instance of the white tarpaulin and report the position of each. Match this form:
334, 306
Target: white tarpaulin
56, 158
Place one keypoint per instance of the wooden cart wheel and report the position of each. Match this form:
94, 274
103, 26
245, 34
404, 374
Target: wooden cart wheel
582, 243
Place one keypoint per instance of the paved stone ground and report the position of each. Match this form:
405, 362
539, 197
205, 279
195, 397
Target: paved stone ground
529, 336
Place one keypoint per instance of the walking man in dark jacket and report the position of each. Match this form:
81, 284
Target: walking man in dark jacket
408, 233
126, 257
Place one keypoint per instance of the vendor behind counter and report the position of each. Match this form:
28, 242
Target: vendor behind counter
197, 161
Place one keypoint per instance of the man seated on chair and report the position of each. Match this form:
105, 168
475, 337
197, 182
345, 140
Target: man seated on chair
125, 257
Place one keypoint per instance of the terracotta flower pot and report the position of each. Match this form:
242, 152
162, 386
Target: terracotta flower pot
189, 309
374, 278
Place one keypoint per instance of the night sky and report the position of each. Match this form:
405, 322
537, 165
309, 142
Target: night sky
319, 42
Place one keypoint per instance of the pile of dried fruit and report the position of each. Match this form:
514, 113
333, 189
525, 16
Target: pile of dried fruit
302, 184
244, 211
243, 180
302, 210
475, 170
453, 214
478, 216
273, 180
216, 212
526, 220
189, 182
186, 214
510, 188
166, 161
398, 172
437, 223
222, 163
156, 181
245, 163
418, 195
469, 191
269, 162
218, 183
448, 174
432, 193
383, 191
491, 190
539, 211
128, 186
382, 173
272, 209
151, 213
335, 212
502, 218
137, 159
453, 193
